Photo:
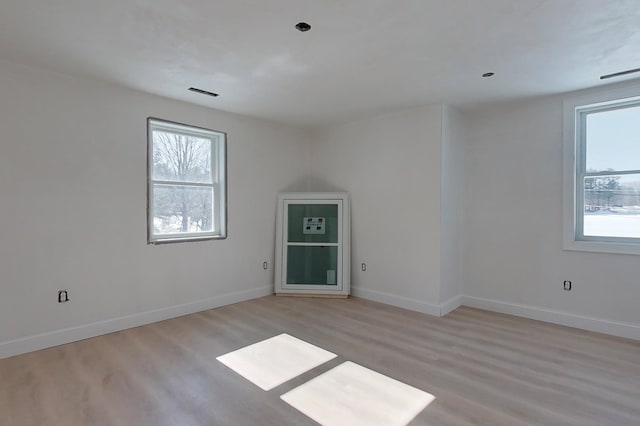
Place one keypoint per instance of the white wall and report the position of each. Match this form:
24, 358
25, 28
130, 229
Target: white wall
390, 164
513, 257
452, 199
73, 210
73, 215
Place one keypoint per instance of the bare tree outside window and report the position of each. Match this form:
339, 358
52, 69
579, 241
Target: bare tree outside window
180, 158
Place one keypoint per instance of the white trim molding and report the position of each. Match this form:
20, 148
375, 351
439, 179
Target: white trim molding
451, 305
73, 334
410, 304
620, 329
398, 301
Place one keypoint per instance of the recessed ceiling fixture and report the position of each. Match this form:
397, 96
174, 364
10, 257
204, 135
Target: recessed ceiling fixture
203, 92
488, 74
619, 74
303, 27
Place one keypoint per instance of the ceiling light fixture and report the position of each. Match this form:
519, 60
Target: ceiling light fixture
488, 74
619, 74
303, 27
203, 92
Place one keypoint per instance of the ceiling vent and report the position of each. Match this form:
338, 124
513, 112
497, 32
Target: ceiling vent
203, 92
619, 74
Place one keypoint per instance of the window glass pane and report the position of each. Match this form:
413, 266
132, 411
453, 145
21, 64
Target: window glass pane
613, 140
612, 206
180, 209
313, 265
313, 223
181, 158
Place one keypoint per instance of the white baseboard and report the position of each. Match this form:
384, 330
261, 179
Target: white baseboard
68, 335
399, 301
450, 305
628, 330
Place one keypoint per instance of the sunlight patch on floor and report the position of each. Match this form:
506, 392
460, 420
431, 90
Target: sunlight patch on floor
350, 394
271, 362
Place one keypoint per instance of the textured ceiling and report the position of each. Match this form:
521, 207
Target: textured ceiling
361, 56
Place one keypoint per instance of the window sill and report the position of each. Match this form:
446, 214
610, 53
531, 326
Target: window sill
187, 239
603, 247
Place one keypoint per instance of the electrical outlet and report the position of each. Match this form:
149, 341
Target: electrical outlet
363, 266
567, 285
63, 296
265, 265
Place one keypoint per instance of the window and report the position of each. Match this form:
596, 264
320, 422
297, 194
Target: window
604, 192
187, 183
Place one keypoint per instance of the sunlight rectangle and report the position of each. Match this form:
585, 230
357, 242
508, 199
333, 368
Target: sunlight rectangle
274, 361
350, 394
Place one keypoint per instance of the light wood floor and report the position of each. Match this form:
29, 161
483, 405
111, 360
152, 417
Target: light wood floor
484, 368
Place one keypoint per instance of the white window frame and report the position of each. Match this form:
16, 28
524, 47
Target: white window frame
574, 160
219, 181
